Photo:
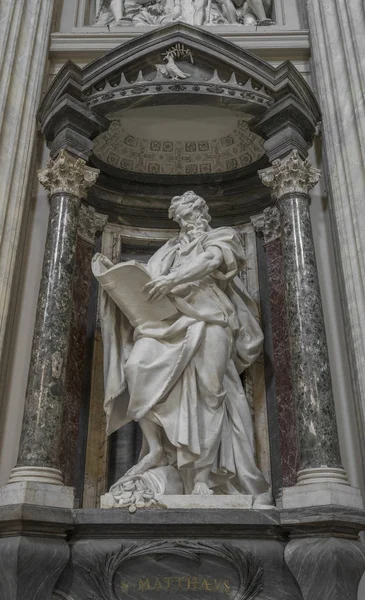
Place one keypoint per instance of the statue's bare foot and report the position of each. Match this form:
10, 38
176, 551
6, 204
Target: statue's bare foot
150, 461
202, 489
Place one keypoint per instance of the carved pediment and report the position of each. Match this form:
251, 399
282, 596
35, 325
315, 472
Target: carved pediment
176, 79
218, 69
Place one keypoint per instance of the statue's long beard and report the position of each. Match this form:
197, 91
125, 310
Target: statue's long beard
192, 230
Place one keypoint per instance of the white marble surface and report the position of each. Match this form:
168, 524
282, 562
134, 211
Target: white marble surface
42, 494
24, 36
190, 502
195, 377
320, 494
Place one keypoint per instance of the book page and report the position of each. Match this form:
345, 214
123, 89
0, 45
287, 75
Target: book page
124, 283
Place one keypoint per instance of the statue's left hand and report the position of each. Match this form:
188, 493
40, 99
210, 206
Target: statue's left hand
159, 287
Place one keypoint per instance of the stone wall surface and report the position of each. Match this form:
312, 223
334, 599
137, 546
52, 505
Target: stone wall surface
231, 554
24, 35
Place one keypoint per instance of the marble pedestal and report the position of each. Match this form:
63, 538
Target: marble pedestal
57, 554
188, 502
40, 494
324, 494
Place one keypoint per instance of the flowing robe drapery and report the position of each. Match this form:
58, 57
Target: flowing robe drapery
183, 374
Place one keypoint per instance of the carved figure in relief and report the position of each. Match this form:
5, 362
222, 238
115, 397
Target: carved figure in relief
170, 70
179, 377
195, 12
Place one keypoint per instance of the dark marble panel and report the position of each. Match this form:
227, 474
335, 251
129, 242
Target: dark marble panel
75, 361
289, 443
30, 567
326, 568
312, 386
199, 568
268, 352
124, 451
41, 430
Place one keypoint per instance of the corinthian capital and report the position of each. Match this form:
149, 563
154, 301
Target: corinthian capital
67, 175
291, 175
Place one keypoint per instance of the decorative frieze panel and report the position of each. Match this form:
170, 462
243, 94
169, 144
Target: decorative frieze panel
206, 12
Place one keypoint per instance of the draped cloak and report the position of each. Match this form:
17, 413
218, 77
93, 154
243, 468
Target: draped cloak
183, 373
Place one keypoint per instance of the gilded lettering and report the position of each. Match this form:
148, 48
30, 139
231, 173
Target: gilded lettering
144, 585
124, 587
192, 583
226, 586
158, 585
217, 585
167, 581
206, 585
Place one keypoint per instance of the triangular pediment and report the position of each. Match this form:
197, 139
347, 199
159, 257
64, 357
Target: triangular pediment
215, 68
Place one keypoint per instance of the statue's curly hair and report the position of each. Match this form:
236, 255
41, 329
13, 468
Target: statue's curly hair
196, 202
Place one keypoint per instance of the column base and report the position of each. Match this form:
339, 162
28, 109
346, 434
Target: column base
38, 474
321, 487
322, 475
37, 485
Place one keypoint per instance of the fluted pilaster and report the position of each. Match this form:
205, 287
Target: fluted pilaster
338, 49
24, 37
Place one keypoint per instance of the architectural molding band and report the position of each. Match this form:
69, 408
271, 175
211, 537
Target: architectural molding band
67, 180
291, 180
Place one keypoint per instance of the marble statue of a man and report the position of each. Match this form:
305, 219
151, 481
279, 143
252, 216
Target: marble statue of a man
180, 378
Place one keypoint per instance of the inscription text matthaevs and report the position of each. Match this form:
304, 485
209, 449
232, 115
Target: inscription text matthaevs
172, 584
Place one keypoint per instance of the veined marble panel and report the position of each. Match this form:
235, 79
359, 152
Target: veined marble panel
254, 380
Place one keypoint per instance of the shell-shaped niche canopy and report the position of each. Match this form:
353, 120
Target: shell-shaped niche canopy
178, 140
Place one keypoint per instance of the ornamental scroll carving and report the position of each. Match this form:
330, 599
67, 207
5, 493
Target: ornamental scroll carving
268, 224
90, 222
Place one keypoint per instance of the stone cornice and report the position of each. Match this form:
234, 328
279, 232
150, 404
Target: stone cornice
266, 42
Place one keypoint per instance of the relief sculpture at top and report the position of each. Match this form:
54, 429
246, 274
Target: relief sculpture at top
194, 12
173, 359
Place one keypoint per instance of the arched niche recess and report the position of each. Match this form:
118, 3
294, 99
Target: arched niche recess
209, 122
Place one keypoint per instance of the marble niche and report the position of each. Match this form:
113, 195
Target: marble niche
303, 547
124, 452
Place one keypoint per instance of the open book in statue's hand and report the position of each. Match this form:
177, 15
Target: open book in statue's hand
124, 283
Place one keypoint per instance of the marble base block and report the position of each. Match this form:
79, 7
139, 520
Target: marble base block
320, 494
42, 494
189, 501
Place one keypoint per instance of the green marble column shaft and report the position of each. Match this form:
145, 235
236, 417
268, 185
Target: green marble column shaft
67, 180
291, 180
